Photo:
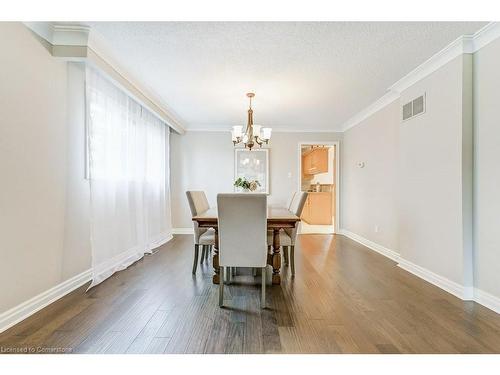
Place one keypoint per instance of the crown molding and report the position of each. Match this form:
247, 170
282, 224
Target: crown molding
121, 78
73, 42
487, 34
65, 39
61, 34
227, 129
385, 100
308, 130
466, 44
462, 45
70, 35
209, 129
458, 47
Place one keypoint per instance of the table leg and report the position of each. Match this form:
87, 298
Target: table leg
215, 259
276, 257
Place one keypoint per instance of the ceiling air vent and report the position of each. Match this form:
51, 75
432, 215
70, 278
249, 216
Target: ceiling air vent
414, 108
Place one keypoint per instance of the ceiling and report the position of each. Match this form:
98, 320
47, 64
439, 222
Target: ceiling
306, 75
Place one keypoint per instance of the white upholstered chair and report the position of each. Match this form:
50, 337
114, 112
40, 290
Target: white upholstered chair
290, 200
203, 237
289, 235
242, 226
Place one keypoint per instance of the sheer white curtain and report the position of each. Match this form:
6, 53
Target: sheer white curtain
128, 149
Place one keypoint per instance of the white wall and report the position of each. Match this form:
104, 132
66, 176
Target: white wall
433, 170
34, 166
369, 194
487, 170
204, 160
447, 179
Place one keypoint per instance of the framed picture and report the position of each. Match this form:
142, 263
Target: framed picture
252, 165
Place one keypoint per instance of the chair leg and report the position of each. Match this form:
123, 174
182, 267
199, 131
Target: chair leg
292, 259
221, 287
254, 272
203, 249
263, 291
195, 263
285, 255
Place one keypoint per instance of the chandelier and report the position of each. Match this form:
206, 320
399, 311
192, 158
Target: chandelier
254, 134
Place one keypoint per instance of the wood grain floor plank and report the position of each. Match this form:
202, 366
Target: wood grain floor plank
345, 298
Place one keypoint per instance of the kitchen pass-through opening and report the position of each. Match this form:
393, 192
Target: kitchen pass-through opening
318, 169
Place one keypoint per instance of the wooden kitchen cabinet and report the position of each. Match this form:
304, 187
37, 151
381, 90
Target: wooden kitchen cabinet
315, 161
318, 208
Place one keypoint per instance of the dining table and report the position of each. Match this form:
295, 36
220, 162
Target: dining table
278, 218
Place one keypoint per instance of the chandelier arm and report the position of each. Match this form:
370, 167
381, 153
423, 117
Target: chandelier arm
248, 138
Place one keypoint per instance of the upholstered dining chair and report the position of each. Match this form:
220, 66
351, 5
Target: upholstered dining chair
289, 235
242, 226
290, 200
203, 237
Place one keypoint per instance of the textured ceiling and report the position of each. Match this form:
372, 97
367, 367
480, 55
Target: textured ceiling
306, 76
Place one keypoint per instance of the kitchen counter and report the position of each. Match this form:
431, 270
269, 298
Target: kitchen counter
324, 188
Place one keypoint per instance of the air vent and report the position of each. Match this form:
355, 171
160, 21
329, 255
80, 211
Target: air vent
407, 111
414, 108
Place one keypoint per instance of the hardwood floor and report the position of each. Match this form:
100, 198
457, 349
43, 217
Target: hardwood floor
344, 299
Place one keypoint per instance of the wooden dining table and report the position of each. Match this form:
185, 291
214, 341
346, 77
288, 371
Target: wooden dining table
278, 218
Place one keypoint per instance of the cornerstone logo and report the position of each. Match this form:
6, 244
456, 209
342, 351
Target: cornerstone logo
33, 350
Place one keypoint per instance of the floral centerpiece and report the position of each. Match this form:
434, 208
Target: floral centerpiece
246, 185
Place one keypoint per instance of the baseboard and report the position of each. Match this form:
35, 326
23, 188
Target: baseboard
391, 254
28, 308
487, 300
24, 310
182, 231
464, 293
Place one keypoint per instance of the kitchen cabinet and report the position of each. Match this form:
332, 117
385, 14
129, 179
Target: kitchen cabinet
318, 208
315, 161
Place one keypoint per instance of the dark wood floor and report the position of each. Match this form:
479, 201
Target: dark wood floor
344, 299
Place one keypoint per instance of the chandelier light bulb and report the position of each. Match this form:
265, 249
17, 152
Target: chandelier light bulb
256, 130
237, 130
266, 133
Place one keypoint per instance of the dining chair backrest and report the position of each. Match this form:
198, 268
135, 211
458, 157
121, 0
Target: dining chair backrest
290, 200
298, 203
297, 206
198, 203
242, 226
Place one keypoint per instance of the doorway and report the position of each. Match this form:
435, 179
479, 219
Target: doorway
319, 177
